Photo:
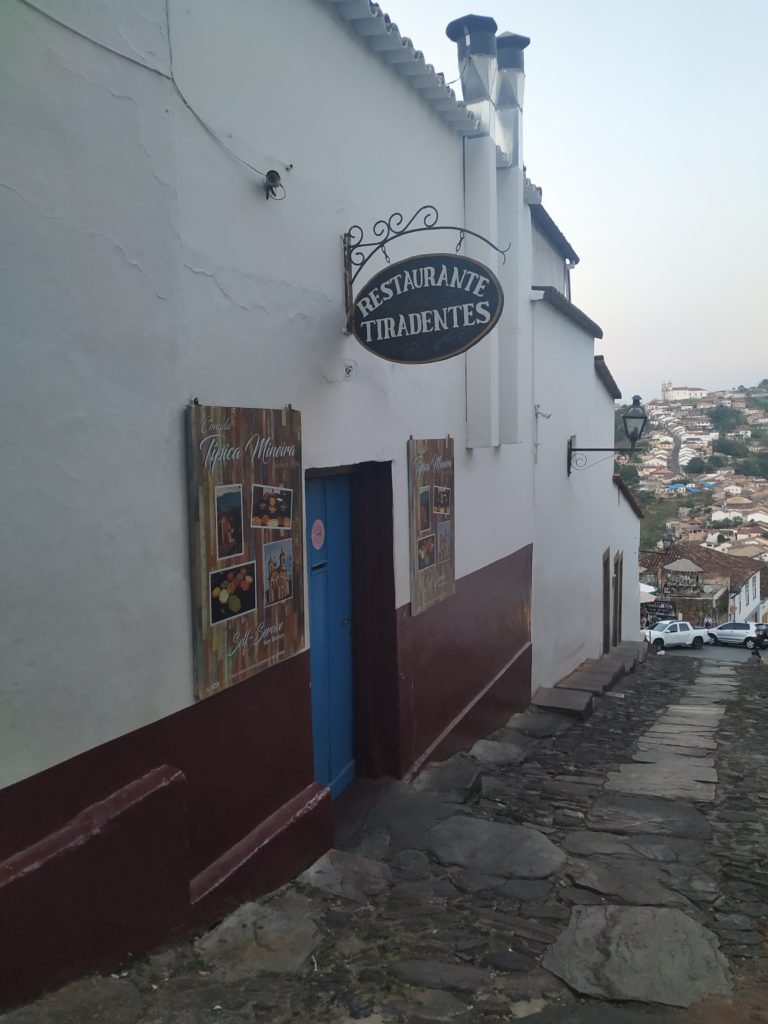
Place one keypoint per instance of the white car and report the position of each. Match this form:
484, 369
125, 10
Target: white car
676, 634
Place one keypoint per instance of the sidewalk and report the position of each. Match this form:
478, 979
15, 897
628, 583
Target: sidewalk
607, 871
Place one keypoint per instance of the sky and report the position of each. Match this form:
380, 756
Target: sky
646, 126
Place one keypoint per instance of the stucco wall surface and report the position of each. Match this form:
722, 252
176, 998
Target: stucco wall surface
578, 517
148, 268
548, 266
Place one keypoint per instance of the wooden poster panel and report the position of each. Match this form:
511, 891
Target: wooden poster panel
247, 530
431, 496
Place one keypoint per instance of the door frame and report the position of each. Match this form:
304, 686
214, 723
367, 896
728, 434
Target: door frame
374, 622
618, 587
606, 601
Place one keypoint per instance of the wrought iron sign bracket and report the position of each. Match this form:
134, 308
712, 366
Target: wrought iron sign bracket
578, 458
357, 252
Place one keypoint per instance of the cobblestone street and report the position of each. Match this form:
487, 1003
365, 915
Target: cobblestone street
607, 870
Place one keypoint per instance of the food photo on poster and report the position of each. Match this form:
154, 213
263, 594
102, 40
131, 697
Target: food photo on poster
426, 552
271, 507
233, 592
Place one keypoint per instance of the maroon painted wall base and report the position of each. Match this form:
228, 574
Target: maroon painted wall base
491, 709
139, 841
110, 883
465, 663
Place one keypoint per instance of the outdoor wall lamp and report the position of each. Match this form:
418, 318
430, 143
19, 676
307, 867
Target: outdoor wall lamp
273, 185
634, 418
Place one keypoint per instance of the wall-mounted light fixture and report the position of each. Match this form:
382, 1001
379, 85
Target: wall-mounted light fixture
634, 418
273, 185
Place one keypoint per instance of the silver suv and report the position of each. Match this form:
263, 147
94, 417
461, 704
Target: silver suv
743, 634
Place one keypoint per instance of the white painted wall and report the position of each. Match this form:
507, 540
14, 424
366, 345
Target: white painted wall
95, 634
548, 267
748, 600
149, 268
577, 517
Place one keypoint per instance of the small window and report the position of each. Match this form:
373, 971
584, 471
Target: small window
684, 627
672, 629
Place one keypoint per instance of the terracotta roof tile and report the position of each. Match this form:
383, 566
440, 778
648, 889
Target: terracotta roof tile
714, 562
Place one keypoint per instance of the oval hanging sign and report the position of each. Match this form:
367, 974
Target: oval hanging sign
427, 308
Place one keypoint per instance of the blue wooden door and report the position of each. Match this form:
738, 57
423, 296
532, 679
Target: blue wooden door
329, 560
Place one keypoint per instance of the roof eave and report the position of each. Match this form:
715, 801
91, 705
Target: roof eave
552, 233
631, 499
606, 378
383, 38
563, 305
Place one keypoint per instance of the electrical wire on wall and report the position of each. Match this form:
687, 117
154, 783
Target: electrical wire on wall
270, 187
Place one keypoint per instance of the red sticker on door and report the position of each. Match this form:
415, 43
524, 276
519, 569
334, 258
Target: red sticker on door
318, 534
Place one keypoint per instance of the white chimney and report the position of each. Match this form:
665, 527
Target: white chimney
491, 70
475, 38
509, 95
492, 79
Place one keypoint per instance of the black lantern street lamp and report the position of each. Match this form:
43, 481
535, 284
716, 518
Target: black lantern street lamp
635, 419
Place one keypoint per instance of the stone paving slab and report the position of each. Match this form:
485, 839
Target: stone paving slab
683, 728
602, 1013
590, 682
276, 937
570, 702
645, 815
629, 880
457, 778
654, 785
659, 747
703, 715
344, 874
668, 771
538, 724
510, 851
671, 757
648, 954
492, 752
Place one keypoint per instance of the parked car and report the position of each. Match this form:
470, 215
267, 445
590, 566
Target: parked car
676, 634
761, 629
742, 634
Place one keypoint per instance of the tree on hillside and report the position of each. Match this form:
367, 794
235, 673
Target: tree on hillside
736, 449
627, 472
724, 418
755, 465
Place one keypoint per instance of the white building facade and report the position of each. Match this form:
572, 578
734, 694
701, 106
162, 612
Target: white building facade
156, 265
670, 393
